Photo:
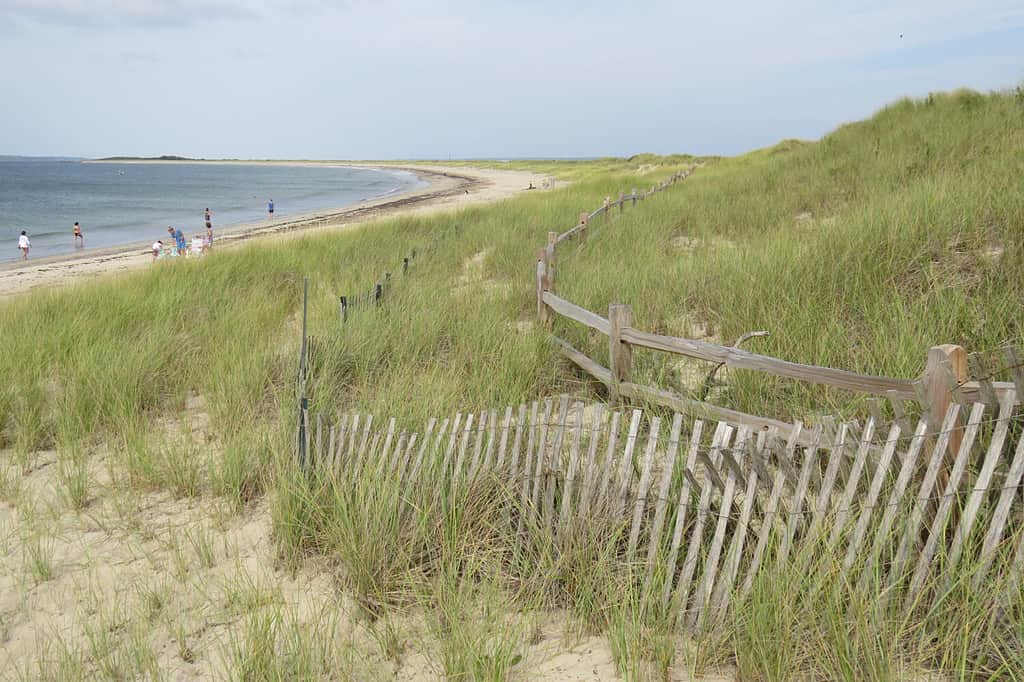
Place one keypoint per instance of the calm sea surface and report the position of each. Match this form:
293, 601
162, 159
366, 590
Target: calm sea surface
118, 204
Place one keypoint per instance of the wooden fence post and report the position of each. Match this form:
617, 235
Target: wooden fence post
937, 386
552, 245
620, 354
343, 304
584, 219
543, 312
607, 209
633, 193
622, 202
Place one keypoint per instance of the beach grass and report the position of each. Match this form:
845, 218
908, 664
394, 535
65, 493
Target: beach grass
859, 251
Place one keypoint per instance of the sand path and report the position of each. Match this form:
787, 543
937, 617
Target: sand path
450, 188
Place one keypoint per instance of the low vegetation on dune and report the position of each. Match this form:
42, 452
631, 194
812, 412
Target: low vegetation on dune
859, 251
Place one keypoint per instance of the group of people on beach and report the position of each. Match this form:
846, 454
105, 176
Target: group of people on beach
200, 243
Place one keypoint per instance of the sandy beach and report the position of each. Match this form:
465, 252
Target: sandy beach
449, 188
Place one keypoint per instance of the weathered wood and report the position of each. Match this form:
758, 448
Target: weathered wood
551, 476
538, 471
982, 375
396, 454
403, 466
604, 491
528, 460
681, 508
1008, 493
544, 314
828, 481
453, 439
460, 461
502, 446
362, 454
641, 494
707, 583
570, 473
319, 452
626, 464
671, 400
895, 502
620, 354
796, 506
868, 505
770, 511
981, 484
382, 458
576, 313
517, 441
740, 359
931, 474
843, 509
900, 411
937, 386
590, 463
722, 436
481, 427
936, 532
731, 566
661, 501
350, 456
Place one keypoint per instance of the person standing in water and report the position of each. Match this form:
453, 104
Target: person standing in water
24, 244
209, 228
79, 239
270, 208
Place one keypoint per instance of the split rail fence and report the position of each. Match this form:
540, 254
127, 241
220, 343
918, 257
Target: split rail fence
951, 375
700, 508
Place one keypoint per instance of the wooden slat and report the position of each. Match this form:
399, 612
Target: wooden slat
641, 494
936, 532
339, 445
319, 452
1008, 493
661, 501
900, 411
707, 583
555, 459
478, 449
868, 504
721, 440
361, 455
528, 461
538, 471
626, 464
731, 566
492, 435
460, 461
574, 312
403, 466
570, 473
329, 460
453, 439
590, 463
352, 441
796, 506
828, 481
741, 359
503, 445
931, 474
517, 441
382, 459
981, 484
681, 508
431, 424
895, 502
843, 509
604, 491
771, 509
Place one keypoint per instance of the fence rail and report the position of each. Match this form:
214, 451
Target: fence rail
701, 508
947, 377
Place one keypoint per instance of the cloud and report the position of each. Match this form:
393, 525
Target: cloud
118, 13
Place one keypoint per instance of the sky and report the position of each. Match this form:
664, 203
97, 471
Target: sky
385, 79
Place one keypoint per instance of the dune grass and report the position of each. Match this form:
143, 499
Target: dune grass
859, 251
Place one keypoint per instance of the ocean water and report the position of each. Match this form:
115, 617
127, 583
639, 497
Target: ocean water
118, 204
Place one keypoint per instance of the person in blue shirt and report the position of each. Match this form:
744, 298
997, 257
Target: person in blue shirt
179, 240
270, 208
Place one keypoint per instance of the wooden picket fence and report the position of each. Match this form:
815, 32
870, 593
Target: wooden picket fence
703, 507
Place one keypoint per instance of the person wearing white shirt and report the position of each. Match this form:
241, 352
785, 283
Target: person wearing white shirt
24, 244
157, 248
